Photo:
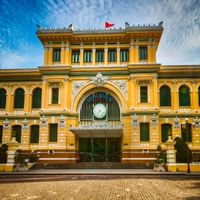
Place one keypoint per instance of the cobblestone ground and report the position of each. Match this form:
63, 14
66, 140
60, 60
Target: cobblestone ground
116, 189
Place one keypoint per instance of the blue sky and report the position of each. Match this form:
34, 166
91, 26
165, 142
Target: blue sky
20, 47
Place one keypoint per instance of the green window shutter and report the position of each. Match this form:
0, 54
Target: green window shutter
144, 131
184, 96
56, 55
166, 130
1, 134
199, 95
36, 98
53, 132
19, 98
124, 55
99, 55
34, 134
2, 98
75, 56
165, 96
186, 133
112, 55
143, 94
55, 95
143, 53
88, 56
17, 129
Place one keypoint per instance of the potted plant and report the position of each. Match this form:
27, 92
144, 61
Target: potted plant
160, 160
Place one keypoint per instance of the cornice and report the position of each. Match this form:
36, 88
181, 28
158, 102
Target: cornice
180, 71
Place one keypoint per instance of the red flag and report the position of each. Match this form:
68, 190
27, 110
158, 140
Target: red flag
108, 25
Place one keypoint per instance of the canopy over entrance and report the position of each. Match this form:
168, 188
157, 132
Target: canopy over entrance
98, 131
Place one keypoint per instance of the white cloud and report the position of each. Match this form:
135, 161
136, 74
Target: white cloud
26, 56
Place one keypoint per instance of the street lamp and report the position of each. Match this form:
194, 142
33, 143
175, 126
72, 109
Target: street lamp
185, 126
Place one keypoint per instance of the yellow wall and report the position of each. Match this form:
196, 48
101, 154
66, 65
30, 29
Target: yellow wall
132, 73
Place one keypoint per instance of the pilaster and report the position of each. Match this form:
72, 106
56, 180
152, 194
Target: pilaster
149, 53
63, 55
46, 56
93, 56
81, 55
118, 55
106, 56
50, 56
175, 96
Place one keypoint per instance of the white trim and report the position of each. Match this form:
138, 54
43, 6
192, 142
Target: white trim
57, 158
59, 152
138, 158
141, 152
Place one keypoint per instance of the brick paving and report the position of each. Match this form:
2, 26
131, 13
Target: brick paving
102, 189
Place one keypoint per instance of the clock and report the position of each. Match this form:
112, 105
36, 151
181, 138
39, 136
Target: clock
99, 110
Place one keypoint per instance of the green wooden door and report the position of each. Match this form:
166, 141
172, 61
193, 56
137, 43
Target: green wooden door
113, 149
99, 149
85, 149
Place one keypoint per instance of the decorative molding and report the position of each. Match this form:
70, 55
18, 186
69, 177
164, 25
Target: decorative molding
25, 123
135, 121
99, 80
122, 85
54, 84
61, 122
196, 123
154, 120
143, 82
44, 122
177, 123
6, 124
76, 86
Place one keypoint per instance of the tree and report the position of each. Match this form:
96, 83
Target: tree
182, 151
3, 153
161, 156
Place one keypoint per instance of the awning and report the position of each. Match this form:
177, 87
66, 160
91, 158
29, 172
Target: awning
98, 131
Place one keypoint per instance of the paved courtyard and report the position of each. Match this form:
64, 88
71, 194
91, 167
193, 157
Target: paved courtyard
101, 188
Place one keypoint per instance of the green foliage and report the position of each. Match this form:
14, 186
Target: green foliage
3, 153
23, 158
33, 158
183, 152
161, 155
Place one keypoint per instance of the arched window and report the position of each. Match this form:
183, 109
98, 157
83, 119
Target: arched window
184, 96
34, 138
199, 95
166, 130
1, 134
17, 129
186, 133
2, 98
100, 103
165, 96
36, 98
19, 98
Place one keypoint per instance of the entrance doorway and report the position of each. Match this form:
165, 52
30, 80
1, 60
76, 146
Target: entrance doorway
99, 149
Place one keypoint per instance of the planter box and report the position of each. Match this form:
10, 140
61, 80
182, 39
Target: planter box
159, 167
182, 167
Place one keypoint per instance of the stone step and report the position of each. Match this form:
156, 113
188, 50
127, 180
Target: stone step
95, 165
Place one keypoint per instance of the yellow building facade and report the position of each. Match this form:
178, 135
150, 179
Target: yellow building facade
100, 96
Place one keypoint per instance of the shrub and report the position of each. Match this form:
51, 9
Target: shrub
182, 151
161, 156
33, 158
23, 158
3, 153
20, 157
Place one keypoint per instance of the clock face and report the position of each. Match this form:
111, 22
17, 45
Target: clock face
99, 110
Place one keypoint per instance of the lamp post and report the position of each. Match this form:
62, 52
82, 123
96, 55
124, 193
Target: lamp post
185, 126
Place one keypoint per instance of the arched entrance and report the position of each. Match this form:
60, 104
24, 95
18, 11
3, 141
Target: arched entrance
100, 130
